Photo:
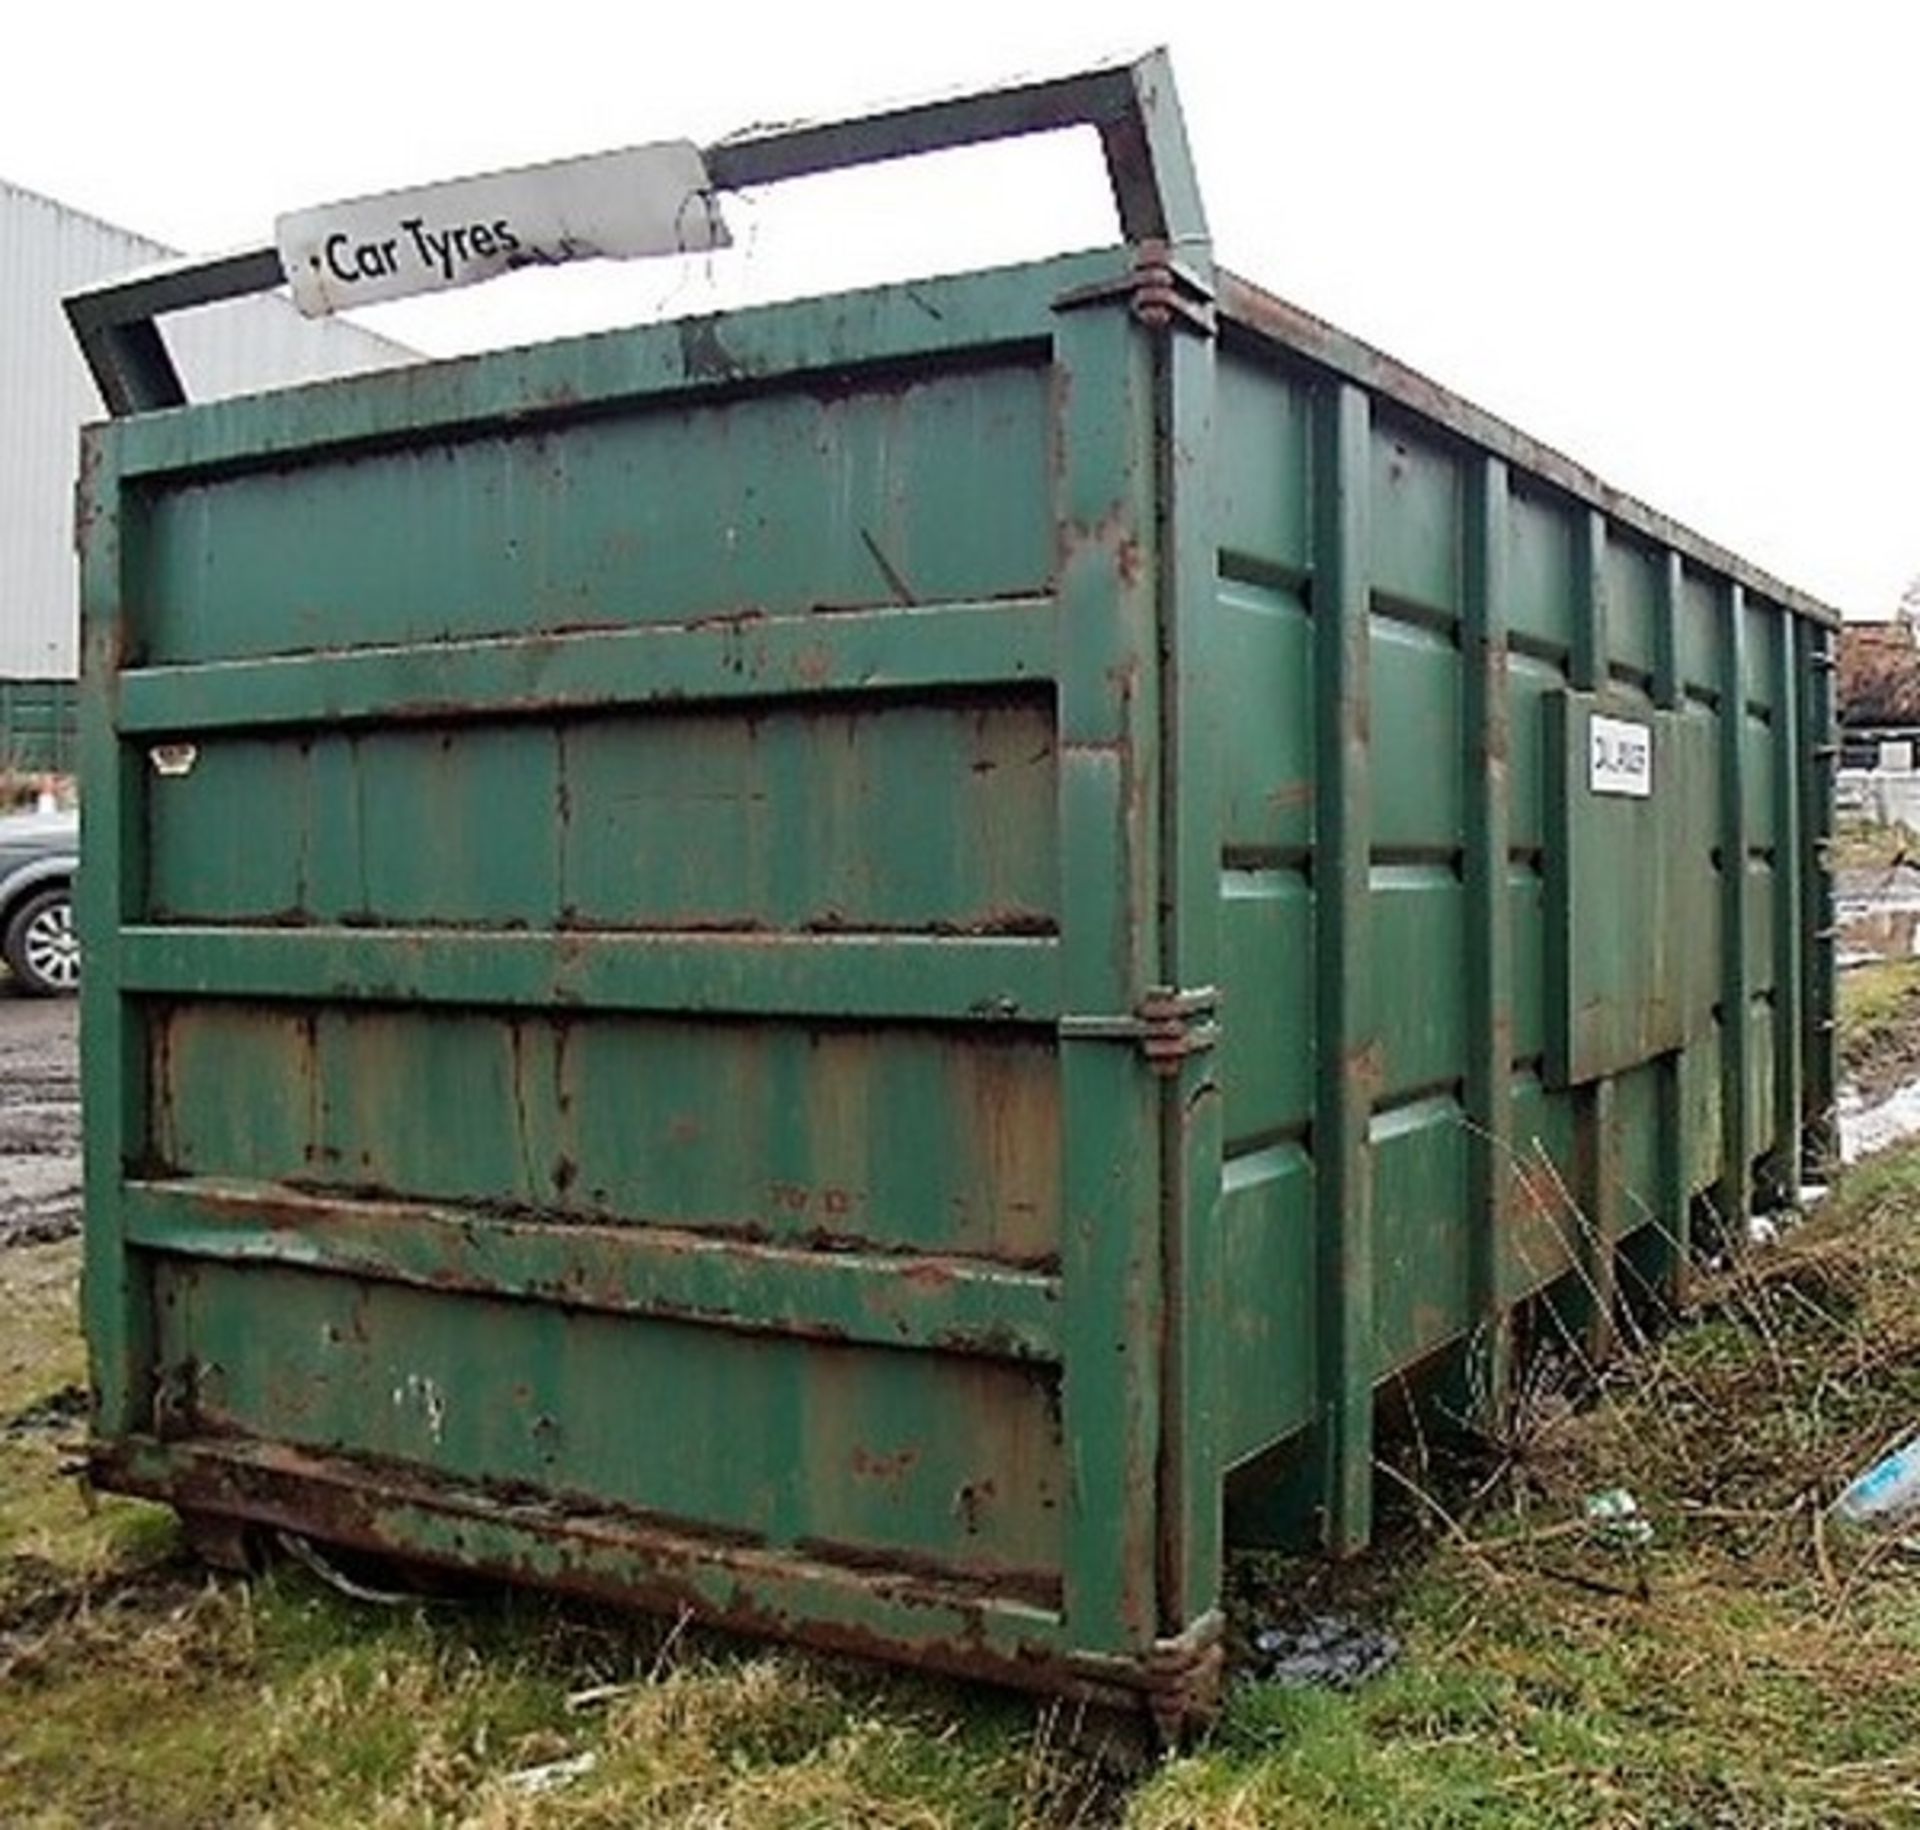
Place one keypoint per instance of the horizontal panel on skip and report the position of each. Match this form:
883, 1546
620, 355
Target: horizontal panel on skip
920, 488
921, 1300
1008, 642
843, 1450
926, 816
891, 1137
825, 978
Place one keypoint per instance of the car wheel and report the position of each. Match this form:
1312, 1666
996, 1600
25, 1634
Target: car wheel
41, 945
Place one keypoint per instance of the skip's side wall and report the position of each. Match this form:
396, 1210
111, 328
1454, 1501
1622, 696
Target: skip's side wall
1486, 1032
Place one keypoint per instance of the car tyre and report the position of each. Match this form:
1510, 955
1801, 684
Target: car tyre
41, 946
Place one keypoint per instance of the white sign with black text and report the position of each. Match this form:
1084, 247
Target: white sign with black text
1619, 757
647, 200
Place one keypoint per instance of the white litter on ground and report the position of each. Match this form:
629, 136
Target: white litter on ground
537, 1781
1866, 1129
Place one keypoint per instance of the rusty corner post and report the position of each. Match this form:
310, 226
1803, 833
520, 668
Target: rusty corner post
1173, 302
1350, 1060
1591, 1309
1485, 1369
1136, 350
1821, 764
1670, 1252
1132, 106
1734, 1193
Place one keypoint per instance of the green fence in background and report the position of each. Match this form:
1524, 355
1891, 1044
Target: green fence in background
37, 724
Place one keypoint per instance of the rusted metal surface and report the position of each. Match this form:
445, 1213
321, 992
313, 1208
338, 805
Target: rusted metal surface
891, 1614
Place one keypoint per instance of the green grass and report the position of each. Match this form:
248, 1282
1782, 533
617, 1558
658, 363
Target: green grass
1769, 1673
1754, 1665
135, 1688
1879, 1021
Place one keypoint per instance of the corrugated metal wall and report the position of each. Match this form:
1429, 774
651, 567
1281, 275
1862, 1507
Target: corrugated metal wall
46, 251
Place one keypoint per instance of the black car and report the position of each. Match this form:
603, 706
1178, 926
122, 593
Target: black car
39, 853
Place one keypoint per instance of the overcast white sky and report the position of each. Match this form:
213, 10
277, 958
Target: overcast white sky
1678, 240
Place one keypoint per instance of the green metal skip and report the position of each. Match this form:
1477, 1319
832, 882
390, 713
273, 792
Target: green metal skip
837, 964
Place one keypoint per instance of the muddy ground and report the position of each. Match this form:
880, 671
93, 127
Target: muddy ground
39, 1119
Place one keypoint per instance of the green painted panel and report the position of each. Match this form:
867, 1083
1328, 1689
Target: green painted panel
946, 649
795, 819
1759, 775
1267, 1041
1762, 916
1700, 1107
1527, 905
1699, 644
1543, 1223
1415, 516
1529, 685
1421, 1263
1263, 644
895, 1135
824, 345
1765, 626
953, 1305
232, 836
1630, 698
1540, 572
1762, 1064
1633, 598
1628, 880
1267, 1254
1418, 749
892, 816
1416, 982
1636, 1146
786, 501
815, 977
1261, 467
834, 1448
423, 825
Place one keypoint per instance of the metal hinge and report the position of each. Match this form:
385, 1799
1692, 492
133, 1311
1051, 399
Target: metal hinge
1161, 288
1167, 1026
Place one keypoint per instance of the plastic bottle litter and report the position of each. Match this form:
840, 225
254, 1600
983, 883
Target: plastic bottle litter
1889, 1490
537, 1781
1617, 1519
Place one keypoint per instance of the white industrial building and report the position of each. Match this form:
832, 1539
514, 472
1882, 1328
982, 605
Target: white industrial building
46, 394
